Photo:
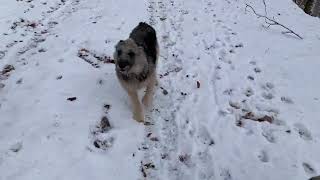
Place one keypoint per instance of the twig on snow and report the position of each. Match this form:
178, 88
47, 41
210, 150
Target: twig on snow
272, 22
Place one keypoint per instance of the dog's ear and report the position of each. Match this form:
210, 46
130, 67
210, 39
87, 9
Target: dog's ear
115, 54
119, 43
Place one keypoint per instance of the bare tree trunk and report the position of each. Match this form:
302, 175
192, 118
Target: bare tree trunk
311, 7
316, 9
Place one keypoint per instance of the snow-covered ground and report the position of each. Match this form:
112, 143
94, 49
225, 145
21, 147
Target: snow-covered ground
235, 100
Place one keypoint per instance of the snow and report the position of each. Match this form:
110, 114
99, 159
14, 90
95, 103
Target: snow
247, 73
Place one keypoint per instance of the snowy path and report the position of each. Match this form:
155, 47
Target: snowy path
235, 101
205, 133
180, 127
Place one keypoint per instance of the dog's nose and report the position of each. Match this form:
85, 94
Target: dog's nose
123, 64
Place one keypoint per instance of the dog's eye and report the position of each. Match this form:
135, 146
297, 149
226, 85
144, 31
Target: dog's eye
119, 52
131, 54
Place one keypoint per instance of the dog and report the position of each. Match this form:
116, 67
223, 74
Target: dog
135, 64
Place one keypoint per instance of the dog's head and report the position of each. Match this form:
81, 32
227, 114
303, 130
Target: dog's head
129, 57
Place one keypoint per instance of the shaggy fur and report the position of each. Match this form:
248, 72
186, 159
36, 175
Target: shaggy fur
136, 61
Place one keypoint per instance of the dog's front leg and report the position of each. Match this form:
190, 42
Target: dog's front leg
137, 109
148, 97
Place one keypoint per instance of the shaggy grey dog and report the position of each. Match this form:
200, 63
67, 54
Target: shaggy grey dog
136, 60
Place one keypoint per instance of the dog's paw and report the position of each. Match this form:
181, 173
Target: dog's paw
138, 117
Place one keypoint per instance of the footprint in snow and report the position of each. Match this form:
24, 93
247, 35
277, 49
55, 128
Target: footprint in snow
19, 81
240, 45
250, 77
186, 159
267, 86
249, 92
252, 62
268, 134
303, 131
205, 137
100, 133
222, 54
101, 140
309, 169
228, 92
59, 77
267, 96
225, 174
257, 70
286, 100
263, 156
234, 104
2, 54
16, 147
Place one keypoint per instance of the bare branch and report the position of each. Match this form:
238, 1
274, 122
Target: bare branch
286, 32
265, 7
272, 22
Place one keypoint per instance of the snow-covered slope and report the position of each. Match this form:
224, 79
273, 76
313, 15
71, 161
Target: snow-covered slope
235, 100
